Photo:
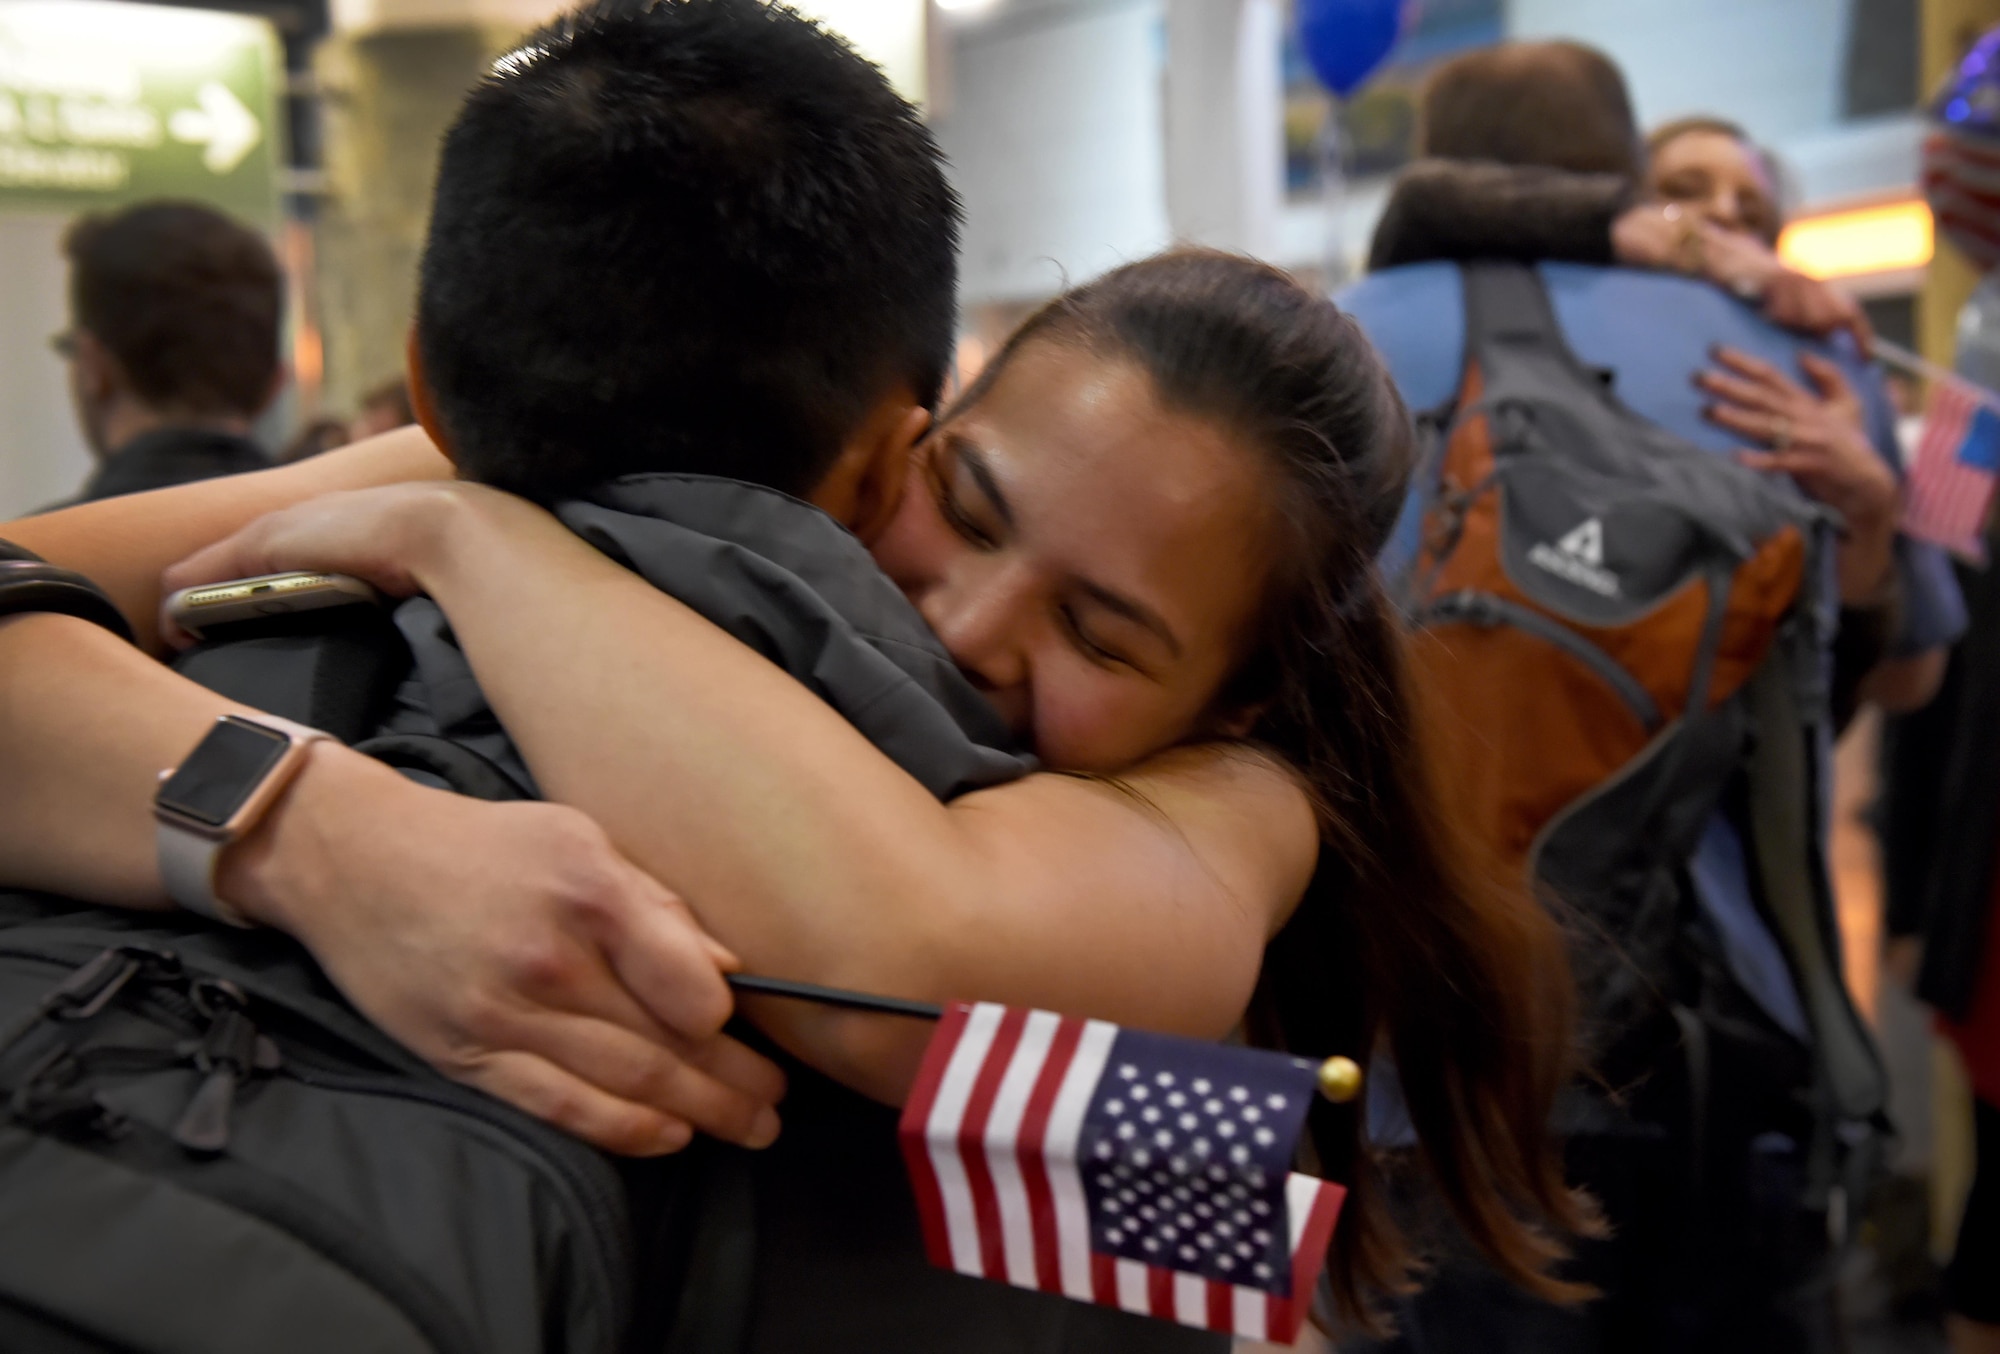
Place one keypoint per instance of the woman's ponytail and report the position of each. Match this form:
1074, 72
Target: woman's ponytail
1405, 946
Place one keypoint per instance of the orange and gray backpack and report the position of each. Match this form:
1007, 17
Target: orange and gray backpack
1614, 629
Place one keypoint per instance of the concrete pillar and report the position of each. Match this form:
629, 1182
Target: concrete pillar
391, 77
389, 97
1225, 123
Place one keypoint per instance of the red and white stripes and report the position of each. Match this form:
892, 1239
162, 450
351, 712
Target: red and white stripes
990, 1135
1948, 499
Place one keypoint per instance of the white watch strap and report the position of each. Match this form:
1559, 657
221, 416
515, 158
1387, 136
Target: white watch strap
188, 857
187, 868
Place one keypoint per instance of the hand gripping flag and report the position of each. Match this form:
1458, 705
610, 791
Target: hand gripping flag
1952, 476
1135, 1170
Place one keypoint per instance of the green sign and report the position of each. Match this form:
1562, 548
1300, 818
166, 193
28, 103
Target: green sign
103, 103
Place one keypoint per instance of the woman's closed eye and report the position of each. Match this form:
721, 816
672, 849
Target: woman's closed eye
966, 502
1090, 644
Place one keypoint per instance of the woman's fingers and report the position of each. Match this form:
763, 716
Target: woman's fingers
620, 1065
1752, 368
1800, 464
372, 534
1827, 378
1796, 301
1764, 427
1751, 394
558, 1096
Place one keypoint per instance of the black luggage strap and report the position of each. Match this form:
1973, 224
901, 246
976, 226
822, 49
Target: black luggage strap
335, 670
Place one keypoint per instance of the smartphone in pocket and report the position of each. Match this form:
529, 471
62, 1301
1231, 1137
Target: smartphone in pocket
202, 610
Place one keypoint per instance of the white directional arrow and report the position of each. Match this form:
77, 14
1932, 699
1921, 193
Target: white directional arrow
221, 123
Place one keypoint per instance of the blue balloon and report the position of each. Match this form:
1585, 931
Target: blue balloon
1347, 39
1969, 103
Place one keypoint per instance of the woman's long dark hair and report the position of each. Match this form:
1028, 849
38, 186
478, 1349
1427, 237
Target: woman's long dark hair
1403, 942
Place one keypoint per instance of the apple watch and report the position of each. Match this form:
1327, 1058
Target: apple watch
216, 795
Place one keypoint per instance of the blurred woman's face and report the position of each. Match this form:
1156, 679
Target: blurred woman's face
1720, 178
1093, 560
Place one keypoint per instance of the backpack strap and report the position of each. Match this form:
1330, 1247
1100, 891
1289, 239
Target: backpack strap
335, 670
1507, 306
1785, 789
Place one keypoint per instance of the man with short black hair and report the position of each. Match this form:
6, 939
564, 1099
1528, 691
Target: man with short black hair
173, 345
680, 236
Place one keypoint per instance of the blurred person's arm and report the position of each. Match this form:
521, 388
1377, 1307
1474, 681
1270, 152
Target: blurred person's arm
1931, 616
1147, 899
1466, 210
1900, 685
125, 544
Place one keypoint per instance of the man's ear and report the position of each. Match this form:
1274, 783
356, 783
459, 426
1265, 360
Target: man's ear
420, 398
865, 486
888, 475
98, 374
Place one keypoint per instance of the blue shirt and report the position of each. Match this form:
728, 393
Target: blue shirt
1654, 332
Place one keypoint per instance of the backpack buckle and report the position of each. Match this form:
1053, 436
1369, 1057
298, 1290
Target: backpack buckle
48, 1100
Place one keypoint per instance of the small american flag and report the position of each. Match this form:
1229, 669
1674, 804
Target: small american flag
1953, 474
1114, 1166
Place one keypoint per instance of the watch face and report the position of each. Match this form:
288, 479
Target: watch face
222, 773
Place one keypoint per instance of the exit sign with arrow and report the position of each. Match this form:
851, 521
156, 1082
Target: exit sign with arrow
103, 103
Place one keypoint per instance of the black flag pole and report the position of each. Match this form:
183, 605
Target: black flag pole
834, 996
1339, 1078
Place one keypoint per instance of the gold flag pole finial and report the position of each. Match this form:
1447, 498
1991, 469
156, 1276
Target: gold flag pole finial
1340, 1079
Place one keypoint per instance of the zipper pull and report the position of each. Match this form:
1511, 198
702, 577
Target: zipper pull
204, 1125
91, 987
228, 1054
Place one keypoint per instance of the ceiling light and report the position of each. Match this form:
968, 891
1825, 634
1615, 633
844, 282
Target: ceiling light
1874, 239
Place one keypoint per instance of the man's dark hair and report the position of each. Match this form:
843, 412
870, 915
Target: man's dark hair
692, 235
188, 301
1558, 104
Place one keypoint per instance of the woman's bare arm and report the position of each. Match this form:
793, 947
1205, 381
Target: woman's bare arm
800, 846
125, 544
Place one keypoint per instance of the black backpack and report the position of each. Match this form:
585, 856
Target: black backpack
206, 1149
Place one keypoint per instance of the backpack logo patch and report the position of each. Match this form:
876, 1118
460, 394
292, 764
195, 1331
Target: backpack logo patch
1578, 557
